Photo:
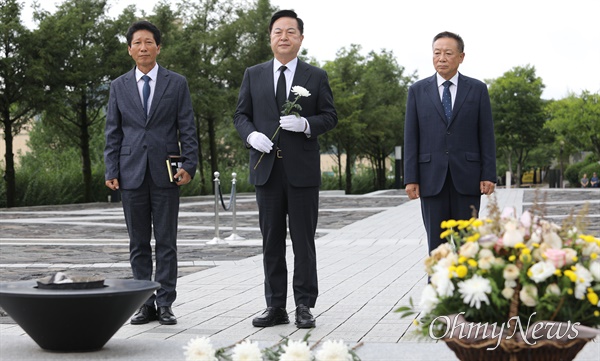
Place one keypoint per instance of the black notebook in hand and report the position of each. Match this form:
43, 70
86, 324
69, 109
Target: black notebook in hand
174, 163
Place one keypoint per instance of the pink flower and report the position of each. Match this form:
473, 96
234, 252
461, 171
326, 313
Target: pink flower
556, 256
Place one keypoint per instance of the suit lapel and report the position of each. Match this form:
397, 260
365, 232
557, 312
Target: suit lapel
162, 82
464, 86
434, 96
131, 89
301, 76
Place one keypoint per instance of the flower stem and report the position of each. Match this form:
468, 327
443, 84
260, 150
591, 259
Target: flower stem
263, 154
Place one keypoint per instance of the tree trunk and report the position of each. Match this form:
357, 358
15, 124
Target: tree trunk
9, 157
349, 167
84, 139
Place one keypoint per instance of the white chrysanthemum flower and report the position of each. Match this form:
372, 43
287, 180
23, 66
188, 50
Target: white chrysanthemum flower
199, 349
429, 299
552, 239
541, 271
469, 249
334, 351
511, 272
474, 290
300, 91
512, 236
296, 351
508, 292
595, 270
246, 351
584, 280
441, 280
486, 259
529, 295
553, 289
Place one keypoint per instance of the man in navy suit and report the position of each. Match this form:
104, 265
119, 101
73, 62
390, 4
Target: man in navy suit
288, 176
449, 146
150, 118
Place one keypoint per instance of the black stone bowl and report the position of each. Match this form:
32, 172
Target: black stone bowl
73, 320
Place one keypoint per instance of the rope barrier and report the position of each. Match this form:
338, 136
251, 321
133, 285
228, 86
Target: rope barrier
231, 206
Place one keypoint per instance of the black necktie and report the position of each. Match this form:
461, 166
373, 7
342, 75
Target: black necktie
280, 93
447, 100
146, 93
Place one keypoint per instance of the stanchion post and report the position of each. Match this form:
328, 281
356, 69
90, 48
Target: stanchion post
234, 236
217, 239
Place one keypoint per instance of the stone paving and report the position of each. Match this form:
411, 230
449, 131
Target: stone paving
370, 250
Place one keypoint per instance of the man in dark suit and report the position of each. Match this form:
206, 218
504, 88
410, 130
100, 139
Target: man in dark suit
449, 146
288, 176
150, 118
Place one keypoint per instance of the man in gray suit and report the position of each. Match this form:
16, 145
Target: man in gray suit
150, 118
449, 147
288, 176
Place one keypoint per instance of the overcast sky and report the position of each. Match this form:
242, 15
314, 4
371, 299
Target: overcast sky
560, 38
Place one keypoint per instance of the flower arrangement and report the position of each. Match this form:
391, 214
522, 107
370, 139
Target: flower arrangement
288, 108
505, 268
201, 349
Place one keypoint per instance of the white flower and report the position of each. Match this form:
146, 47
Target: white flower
469, 249
511, 272
595, 270
508, 292
541, 271
300, 91
296, 351
334, 351
584, 280
199, 349
474, 291
246, 351
486, 258
553, 289
551, 238
429, 299
529, 295
512, 236
441, 280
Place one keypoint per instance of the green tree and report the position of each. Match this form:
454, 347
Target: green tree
83, 54
344, 74
576, 121
385, 89
518, 112
20, 84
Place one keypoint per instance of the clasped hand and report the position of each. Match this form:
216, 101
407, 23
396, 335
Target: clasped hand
293, 123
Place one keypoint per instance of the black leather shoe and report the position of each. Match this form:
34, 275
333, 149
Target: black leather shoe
271, 317
304, 319
166, 316
144, 315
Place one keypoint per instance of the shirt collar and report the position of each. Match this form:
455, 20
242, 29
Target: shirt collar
291, 66
153, 74
453, 80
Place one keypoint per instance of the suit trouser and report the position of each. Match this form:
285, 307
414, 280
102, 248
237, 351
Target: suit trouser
146, 208
277, 200
448, 204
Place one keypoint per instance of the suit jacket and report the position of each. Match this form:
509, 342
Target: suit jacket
465, 145
257, 111
133, 143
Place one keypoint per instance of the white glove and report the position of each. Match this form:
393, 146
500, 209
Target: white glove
260, 142
293, 123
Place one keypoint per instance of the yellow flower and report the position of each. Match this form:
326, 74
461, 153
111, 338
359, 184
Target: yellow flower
446, 233
593, 298
525, 258
594, 255
477, 223
472, 262
572, 276
596, 313
526, 251
461, 271
473, 238
529, 273
520, 245
512, 258
536, 245
444, 225
570, 291
462, 259
558, 272
451, 223
416, 322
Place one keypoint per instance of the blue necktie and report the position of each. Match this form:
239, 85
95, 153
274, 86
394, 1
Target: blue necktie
447, 100
146, 93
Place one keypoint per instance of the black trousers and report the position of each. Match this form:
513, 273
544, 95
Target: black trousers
448, 204
146, 208
277, 201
